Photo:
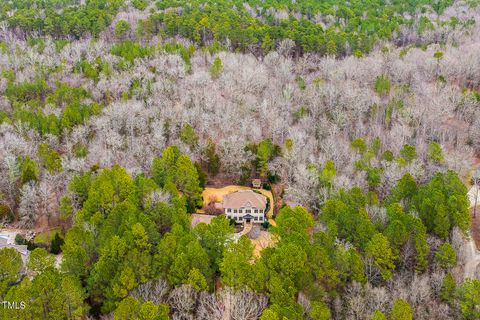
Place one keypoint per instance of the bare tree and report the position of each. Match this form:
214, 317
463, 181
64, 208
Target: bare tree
183, 302
28, 205
243, 304
155, 291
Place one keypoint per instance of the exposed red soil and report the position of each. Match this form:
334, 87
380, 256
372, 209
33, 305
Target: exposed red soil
475, 227
277, 190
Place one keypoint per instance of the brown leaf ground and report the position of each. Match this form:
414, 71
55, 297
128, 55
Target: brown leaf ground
475, 227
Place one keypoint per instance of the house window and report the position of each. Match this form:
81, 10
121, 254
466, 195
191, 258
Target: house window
239, 210
229, 210
248, 211
235, 218
261, 218
255, 218
261, 211
256, 211
234, 210
240, 218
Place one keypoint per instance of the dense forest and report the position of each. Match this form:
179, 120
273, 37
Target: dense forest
335, 28
362, 117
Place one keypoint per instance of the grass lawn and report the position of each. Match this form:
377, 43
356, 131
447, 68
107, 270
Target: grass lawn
47, 236
217, 194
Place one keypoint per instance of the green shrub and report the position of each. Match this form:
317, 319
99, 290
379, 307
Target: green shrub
28, 170
382, 86
56, 244
140, 4
273, 177
388, 156
121, 28
50, 158
130, 50
5, 213
216, 68
20, 240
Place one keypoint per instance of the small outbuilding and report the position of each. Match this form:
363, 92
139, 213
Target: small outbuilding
257, 183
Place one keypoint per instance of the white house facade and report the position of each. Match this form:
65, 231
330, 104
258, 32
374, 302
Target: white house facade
245, 206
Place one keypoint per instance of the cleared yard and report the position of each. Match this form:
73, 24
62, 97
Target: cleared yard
47, 236
217, 194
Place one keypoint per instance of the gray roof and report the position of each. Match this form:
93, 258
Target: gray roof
245, 199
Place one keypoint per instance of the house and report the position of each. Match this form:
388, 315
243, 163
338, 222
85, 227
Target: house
257, 183
245, 206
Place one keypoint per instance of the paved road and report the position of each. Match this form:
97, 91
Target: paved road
9, 234
471, 196
247, 226
473, 260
